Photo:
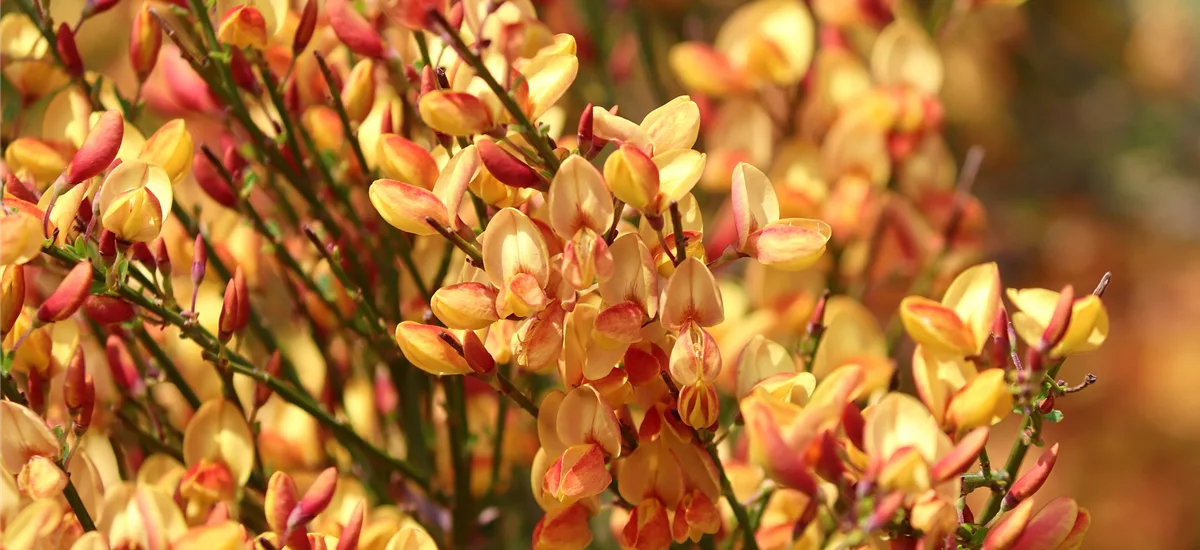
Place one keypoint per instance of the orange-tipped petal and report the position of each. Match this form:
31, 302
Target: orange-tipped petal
354, 30
243, 26
579, 473
759, 360
578, 198
791, 244
620, 325
455, 113
99, 149
1050, 527
512, 245
936, 326
406, 207
678, 172
280, 500
69, 296
426, 347
1029, 482
583, 417
1008, 530
962, 456
703, 69
974, 295
405, 161
563, 529
634, 276
468, 306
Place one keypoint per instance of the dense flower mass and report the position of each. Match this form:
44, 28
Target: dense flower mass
337, 275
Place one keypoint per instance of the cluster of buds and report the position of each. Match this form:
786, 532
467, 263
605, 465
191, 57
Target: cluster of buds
360, 278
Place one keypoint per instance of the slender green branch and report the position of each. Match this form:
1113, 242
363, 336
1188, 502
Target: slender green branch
85, 519
646, 50
460, 458
340, 108
526, 126
473, 254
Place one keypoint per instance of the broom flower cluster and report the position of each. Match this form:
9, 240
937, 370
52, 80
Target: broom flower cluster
338, 276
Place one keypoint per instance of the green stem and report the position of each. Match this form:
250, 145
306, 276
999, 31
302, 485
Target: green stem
168, 367
77, 506
526, 126
460, 457
739, 511
340, 108
646, 50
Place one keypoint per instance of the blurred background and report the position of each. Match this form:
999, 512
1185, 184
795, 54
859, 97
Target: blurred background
1089, 113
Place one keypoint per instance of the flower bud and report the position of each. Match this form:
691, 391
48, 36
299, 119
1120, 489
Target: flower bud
1028, 484
354, 30
1005, 533
145, 41
1001, 345
507, 168
304, 29
73, 391
162, 257
107, 244
235, 311
426, 348
120, 362
358, 95
243, 26
468, 306
1056, 329
67, 51
478, 357
242, 73
212, 182
262, 392
632, 176
12, 295
99, 149
199, 260
38, 386
585, 134
68, 297
315, 500
699, 405
885, 510
348, 539
407, 162
281, 498
140, 252
108, 310
454, 113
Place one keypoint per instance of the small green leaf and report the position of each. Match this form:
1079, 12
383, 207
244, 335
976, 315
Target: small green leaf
1054, 416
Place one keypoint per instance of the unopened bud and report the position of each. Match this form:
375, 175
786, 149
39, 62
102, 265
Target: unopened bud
585, 133
67, 51
12, 296
99, 149
199, 260
108, 310
262, 392
235, 311
348, 539
428, 80
19, 189
68, 297
120, 362
506, 168
212, 182
145, 41
853, 424
961, 457
476, 354
242, 73
73, 384
162, 258
87, 406
1046, 406
1001, 345
108, 244
36, 387
816, 321
358, 95
1059, 321
315, 500
1028, 484
304, 30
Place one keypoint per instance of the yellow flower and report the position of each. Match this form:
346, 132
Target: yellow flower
1035, 306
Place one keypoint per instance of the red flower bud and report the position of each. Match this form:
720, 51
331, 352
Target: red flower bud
68, 297
1001, 346
353, 29
94, 7
476, 354
885, 510
348, 539
456, 15
816, 321
235, 312
1057, 327
262, 392
242, 73
1046, 405
65, 41
304, 29
212, 182
507, 168
1028, 484
429, 81
199, 260
120, 362
315, 500
585, 133
829, 465
73, 385
108, 244
19, 189
107, 310
99, 149
141, 253
162, 258
145, 41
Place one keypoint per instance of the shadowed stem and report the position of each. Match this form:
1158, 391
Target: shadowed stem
77, 506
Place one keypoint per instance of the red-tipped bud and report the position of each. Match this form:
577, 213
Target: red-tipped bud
304, 30
107, 310
1046, 405
212, 182
1057, 327
35, 394
816, 321
242, 73
262, 392
354, 30
145, 41
585, 133
1001, 345
507, 168
73, 384
19, 189
853, 424
315, 500
243, 26
199, 260
141, 253
12, 296
348, 540
961, 457
120, 362
108, 244
162, 258
885, 510
476, 354
68, 297
87, 405
67, 51
1031, 481
429, 81
235, 311
99, 149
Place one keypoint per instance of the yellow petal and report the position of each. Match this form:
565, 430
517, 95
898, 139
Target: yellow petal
610, 127
425, 347
469, 306
790, 244
672, 126
692, 295
760, 359
134, 200
27, 436
219, 432
936, 326
634, 277
578, 198
584, 418
678, 172
549, 76
633, 177
975, 296
703, 69
172, 149
406, 207
984, 401
512, 245
454, 113
904, 55
402, 160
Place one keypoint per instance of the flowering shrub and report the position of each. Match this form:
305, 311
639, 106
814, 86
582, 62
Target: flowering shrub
335, 276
